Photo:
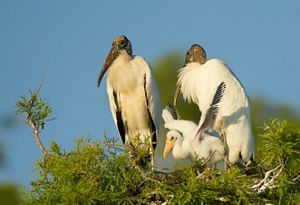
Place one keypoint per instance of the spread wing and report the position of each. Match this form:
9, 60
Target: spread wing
169, 113
212, 112
172, 121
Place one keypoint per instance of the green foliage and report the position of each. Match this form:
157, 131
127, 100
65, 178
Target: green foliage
280, 149
37, 112
280, 143
9, 194
96, 172
102, 173
36, 109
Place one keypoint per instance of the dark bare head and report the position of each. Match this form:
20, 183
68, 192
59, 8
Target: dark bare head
196, 54
120, 43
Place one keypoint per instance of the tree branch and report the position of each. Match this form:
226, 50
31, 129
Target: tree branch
37, 138
268, 180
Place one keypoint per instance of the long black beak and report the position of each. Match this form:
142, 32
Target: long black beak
108, 61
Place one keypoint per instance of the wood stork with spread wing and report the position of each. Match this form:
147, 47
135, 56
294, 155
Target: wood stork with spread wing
133, 95
180, 139
197, 80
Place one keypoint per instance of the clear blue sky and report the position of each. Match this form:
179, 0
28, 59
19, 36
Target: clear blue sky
66, 42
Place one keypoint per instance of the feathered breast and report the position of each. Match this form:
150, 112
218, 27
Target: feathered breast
123, 75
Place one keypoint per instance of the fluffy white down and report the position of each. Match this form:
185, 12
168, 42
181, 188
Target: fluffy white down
182, 147
209, 148
198, 85
186, 146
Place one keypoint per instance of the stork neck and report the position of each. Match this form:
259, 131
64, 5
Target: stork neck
124, 54
181, 149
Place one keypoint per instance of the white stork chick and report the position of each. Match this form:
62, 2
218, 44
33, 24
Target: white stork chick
133, 95
197, 80
180, 139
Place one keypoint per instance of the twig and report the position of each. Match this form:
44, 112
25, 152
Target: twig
268, 180
37, 138
267, 174
144, 175
296, 178
109, 144
32, 124
39, 87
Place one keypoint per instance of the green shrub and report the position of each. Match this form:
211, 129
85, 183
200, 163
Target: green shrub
96, 172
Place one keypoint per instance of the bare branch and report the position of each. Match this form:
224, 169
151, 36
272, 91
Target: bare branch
269, 179
37, 138
296, 178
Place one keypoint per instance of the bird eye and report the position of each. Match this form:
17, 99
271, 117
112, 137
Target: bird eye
122, 43
172, 138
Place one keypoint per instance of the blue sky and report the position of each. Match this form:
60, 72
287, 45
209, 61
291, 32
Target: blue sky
66, 42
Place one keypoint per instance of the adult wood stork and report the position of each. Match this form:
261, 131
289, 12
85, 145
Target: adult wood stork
197, 79
180, 139
133, 95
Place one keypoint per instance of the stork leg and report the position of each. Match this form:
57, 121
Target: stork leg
227, 164
151, 152
220, 126
141, 152
152, 147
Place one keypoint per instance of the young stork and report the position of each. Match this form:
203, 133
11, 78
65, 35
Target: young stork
180, 139
133, 95
197, 79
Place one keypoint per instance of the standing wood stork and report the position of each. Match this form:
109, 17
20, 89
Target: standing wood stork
180, 139
133, 95
197, 80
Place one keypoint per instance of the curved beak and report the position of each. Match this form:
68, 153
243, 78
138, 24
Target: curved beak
177, 92
108, 61
168, 147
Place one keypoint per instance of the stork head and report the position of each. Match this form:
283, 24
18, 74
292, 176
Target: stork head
172, 137
195, 54
120, 43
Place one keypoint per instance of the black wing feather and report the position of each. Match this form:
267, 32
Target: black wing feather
151, 122
173, 111
120, 123
212, 112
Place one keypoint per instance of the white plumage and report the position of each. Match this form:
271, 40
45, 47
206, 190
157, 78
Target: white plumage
127, 77
132, 93
181, 137
181, 140
197, 82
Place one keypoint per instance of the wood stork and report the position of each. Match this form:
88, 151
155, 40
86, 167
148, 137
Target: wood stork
133, 95
180, 139
197, 79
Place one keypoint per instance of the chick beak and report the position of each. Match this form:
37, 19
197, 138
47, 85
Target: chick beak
168, 147
108, 61
178, 87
